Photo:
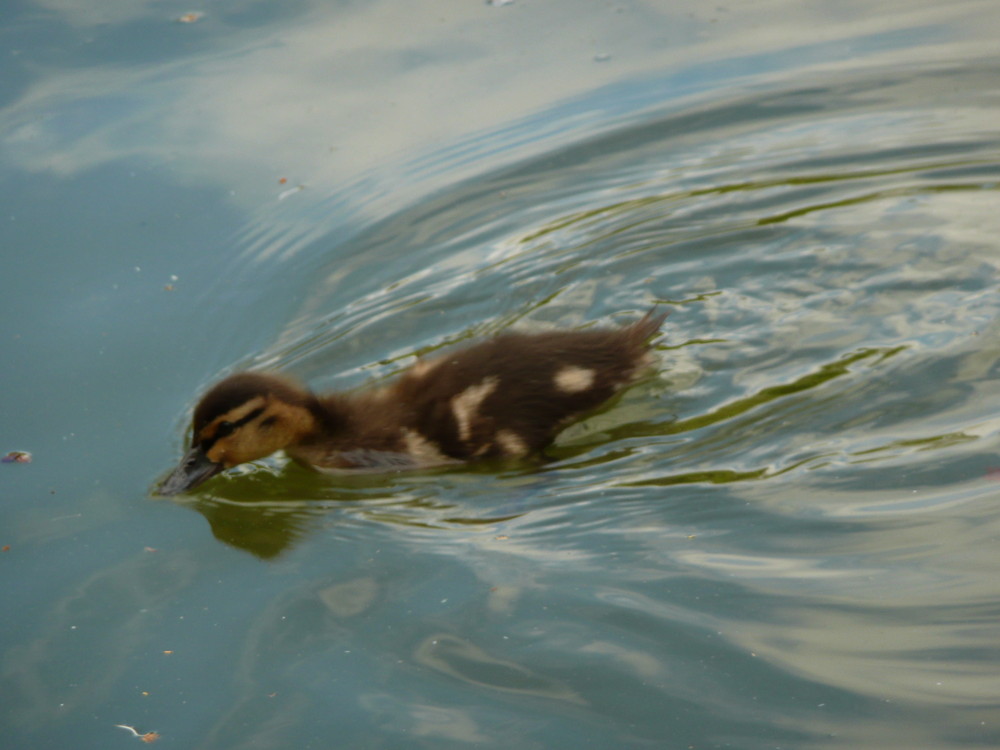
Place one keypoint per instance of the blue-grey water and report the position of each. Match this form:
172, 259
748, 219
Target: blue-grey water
786, 538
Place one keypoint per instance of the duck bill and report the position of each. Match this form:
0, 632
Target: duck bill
193, 469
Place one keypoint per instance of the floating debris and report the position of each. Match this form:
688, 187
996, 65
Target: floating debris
291, 191
192, 17
602, 57
147, 737
499, 3
17, 457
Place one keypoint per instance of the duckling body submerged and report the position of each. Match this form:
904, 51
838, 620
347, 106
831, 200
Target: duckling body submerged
507, 397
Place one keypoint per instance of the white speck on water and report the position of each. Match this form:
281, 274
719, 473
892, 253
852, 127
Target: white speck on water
291, 191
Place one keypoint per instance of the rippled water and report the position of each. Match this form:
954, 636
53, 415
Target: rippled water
786, 538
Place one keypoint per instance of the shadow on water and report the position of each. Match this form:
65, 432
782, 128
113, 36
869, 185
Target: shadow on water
268, 514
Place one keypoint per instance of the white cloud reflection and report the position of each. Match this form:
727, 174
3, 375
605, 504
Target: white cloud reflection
332, 94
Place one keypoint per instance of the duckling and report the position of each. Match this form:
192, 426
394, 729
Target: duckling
507, 397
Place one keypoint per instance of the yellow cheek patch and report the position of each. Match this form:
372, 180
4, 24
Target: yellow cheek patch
217, 453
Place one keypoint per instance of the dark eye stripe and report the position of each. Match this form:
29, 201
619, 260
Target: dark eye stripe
228, 428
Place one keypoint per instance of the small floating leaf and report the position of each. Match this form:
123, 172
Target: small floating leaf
147, 737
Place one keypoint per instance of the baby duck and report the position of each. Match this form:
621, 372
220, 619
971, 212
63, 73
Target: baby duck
507, 397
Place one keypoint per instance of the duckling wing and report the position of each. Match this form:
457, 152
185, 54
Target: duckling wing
511, 395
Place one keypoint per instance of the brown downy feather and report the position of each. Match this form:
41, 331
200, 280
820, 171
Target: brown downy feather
507, 397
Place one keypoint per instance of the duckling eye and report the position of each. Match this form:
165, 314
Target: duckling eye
224, 428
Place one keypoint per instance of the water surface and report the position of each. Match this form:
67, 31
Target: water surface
785, 538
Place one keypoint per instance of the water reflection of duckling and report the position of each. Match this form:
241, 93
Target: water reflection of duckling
504, 398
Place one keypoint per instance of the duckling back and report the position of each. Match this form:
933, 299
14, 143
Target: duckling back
510, 396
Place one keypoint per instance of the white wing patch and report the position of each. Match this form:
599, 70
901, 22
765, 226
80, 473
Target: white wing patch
467, 403
511, 443
572, 379
422, 368
423, 450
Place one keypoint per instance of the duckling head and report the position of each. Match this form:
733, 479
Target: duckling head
247, 416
